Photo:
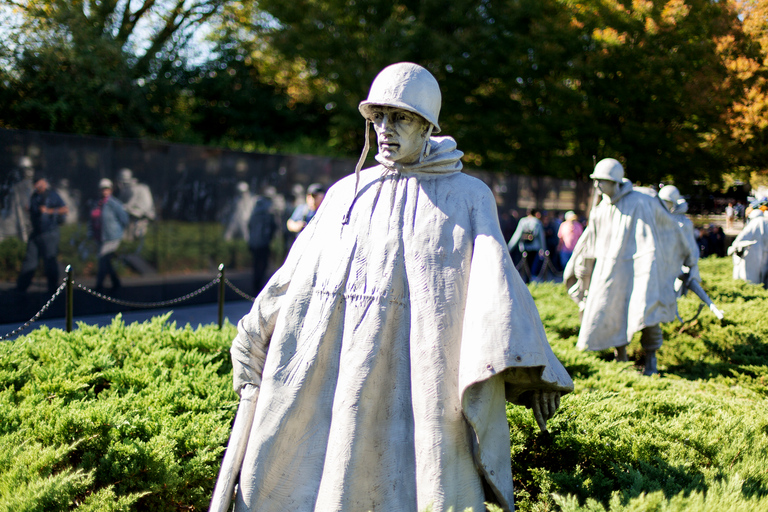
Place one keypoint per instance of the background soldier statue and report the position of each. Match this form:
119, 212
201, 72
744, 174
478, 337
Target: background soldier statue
750, 250
624, 267
138, 202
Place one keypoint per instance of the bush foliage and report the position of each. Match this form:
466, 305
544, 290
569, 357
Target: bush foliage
136, 417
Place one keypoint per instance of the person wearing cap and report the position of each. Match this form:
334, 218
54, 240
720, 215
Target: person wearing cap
623, 269
750, 250
383, 349
529, 240
108, 221
568, 233
47, 211
137, 200
304, 212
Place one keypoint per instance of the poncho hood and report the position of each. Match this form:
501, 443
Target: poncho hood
443, 158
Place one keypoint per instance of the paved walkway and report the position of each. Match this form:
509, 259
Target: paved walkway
194, 315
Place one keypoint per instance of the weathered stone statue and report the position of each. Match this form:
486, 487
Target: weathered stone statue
624, 267
385, 347
750, 250
678, 206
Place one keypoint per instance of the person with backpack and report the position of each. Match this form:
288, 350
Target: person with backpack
529, 240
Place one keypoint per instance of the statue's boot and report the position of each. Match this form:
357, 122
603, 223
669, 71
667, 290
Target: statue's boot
621, 353
650, 363
651, 340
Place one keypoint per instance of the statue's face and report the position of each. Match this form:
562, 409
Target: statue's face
607, 187
399, 133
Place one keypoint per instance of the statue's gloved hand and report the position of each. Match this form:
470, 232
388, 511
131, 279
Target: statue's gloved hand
544, 405
248, 391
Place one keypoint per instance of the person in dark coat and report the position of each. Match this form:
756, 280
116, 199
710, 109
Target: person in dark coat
261, 227
47, 210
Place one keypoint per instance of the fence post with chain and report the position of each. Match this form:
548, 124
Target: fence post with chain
70, 295
222, 283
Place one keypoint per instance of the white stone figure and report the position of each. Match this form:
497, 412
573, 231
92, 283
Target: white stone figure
72, 199
237, 225
385, 346
678, 206
750, 250
14, 217
624, 266
138, 202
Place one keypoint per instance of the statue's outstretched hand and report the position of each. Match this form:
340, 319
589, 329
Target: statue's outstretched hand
544, 405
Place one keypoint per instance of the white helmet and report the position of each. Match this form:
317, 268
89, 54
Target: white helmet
608, 169
669, 193
407, 86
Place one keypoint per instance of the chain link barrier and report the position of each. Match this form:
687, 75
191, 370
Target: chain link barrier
132, 304
547, 265
159, 304
238, 290
34, 319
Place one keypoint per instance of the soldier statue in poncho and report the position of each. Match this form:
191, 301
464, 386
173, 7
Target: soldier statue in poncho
386, 346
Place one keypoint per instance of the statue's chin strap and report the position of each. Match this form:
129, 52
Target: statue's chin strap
360, 162
366, 147
427, 146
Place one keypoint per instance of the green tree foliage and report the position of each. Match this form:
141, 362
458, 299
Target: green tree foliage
104, 68
236, 106
534, 86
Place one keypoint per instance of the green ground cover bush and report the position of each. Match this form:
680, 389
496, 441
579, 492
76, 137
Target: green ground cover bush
136, 417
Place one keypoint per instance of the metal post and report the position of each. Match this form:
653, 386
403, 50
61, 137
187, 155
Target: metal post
70, 290
221, 295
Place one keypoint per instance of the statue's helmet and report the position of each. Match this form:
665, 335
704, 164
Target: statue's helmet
407, 86
608, 169
670, 194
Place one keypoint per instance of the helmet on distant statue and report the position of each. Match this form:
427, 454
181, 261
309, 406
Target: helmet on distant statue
407, 86
608, 169
669, 193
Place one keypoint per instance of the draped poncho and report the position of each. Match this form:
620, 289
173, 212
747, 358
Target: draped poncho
388, 346
752, 264
638, 249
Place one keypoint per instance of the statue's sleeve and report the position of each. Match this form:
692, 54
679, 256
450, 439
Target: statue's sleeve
254, 331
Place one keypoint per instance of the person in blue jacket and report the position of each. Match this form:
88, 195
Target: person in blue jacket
529, 239
108, 222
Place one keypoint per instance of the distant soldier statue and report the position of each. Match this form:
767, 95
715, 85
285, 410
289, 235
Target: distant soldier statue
384, 348
750, 250
624, 266
138, 202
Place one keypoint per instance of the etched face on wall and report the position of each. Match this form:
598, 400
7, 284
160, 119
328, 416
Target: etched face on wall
399, 133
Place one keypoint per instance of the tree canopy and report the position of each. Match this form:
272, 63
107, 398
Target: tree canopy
674, 88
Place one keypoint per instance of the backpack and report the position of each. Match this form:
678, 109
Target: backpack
528, 235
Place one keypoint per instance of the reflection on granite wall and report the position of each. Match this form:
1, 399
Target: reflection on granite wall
197, 192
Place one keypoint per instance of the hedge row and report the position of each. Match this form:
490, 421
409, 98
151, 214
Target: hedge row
135, 417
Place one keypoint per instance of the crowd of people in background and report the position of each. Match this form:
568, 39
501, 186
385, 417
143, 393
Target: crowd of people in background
540, 241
